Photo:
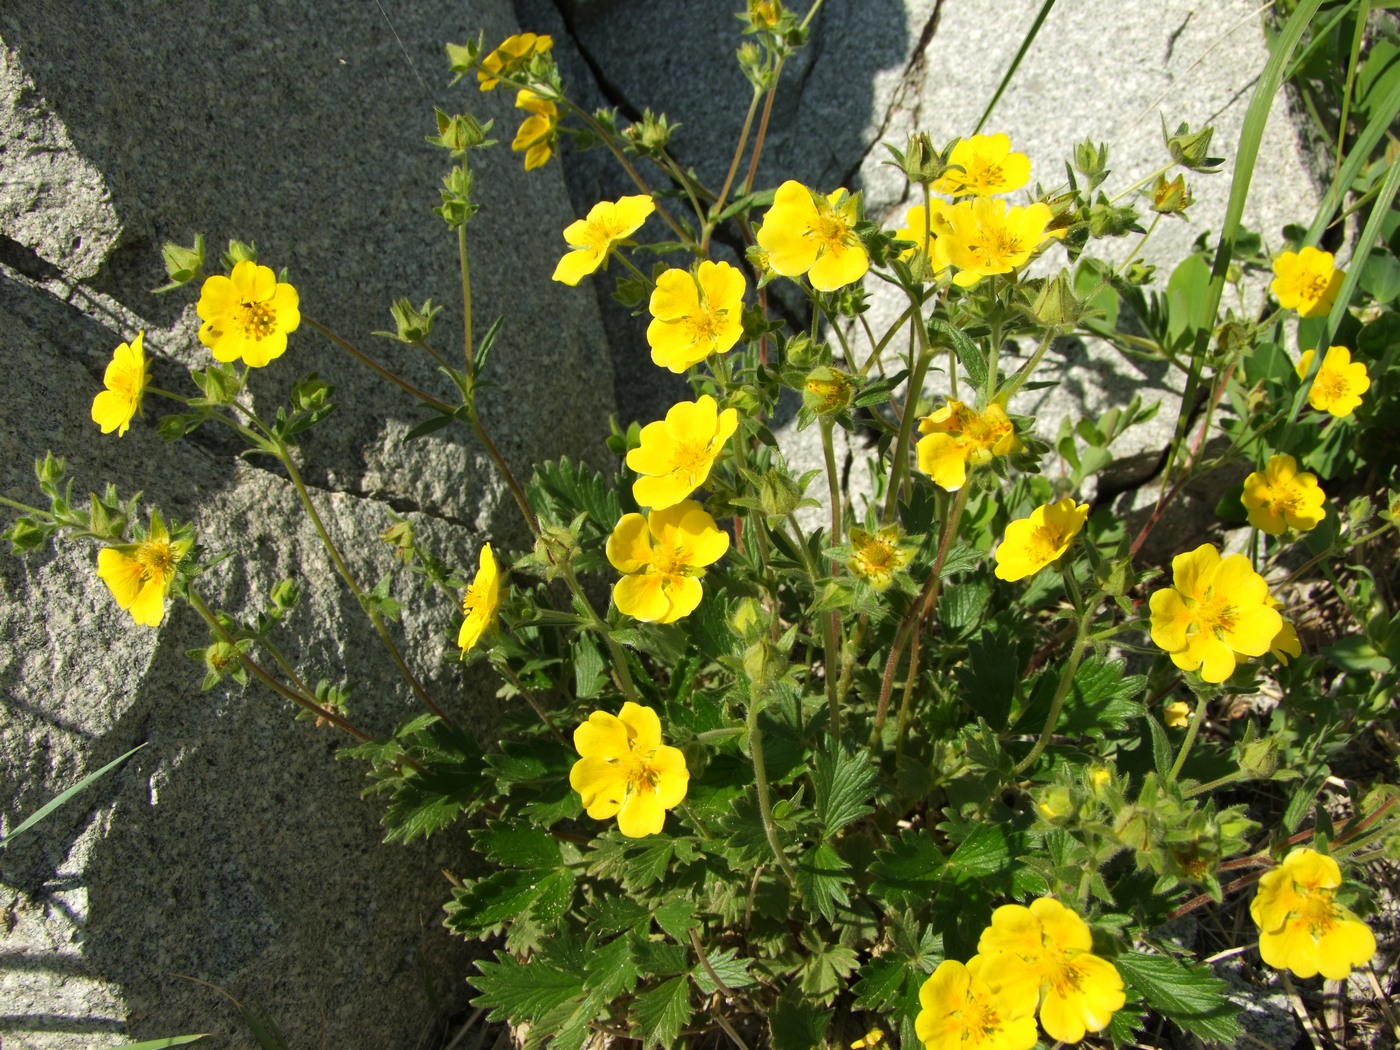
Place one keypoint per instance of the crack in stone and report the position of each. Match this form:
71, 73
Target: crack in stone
606, 87
913, 68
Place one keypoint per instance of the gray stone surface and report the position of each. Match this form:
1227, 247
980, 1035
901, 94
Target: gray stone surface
233, 850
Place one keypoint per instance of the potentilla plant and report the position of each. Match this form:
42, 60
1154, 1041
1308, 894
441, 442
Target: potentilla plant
937, 769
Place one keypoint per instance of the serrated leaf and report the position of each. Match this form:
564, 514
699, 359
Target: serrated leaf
515, 847
989, 677
733, 971
479, 908
794, 1025
881, 981
659, 958
909, 872
969, 355
648, 866
567, 1026
1192, 997
518, 992
676, 917
610, 971
822, 877
590, 669
987, 850
662, 1012
614, 913
827, 966
1161, 748
561, 489
842, 783
1101, 698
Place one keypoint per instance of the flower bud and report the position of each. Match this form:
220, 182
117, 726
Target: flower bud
1055, 304
459, 133
652, 133
919, 161
1171, 198
413, 324
183, 265
1191, 149
399, 535
801, 352
286, 594
778, 494
827, 390
1056, 805
1109, 220
239, 252
1091, 161
754, 65
1258, 759
1140, 273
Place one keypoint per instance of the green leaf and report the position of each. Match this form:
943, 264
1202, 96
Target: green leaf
66, 796
734, 972
567, 1026
941, 333
488, 903
986, 851
881, 982
822, 877
610, 970
676, 917
648, 866
842, 783
909, 872
795, 1025
827, 966
560, 490
590, 670
517, 847
989, 677
614, 913
516, 991
1161, 748
1190, 996
659, 958
1101, 698
662, 1012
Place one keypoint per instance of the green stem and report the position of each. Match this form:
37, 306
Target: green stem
1123, 266
619, 657
914, 386
285, 456
375, 366
1143, 181
1218, 782
729, 177
830, 649
507, 475
530, 698
1024, 372
765, 808
1081, 642
1191, 731
909, 311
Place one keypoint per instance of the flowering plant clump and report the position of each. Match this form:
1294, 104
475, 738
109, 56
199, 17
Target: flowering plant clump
799, 749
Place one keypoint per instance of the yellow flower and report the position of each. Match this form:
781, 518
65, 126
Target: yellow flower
139, 574
480, 602
1306, 281
1033, 543
513, 53
1302, 928
677, 452
871, 1039
695, 315
1281, 496
1286, 643
1177, 714
593, 238
1044, 954
247, 314
1217, 611
877, 556
806, 232
985, 236
959, 437
626, 771
662, 557
960, 1010
1339, 383
125, 379
988, 168
924, 232
535, 138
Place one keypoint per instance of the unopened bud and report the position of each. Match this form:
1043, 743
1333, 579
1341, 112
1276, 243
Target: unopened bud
1191, 149
778, 494
1091, 161
413, 323
1055, 304
1171, 198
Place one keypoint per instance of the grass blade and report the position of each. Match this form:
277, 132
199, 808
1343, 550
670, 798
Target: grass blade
1015, 63
1361, 151
49, 807
161, 1044
1251, 135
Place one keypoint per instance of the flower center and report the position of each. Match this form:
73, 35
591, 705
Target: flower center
1284, 499
878, 557
157, 560
997, 246
830, 230
703, 325
1044, 541
983, 175
1318, 911
1313, 287
258, 320
1216, 614
602, 232
693, 458
1331, 384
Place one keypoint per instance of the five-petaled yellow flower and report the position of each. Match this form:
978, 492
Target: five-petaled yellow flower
1033, 543
125, 379
1283, 497
247, 314
1217, 611
986, 236
695, 314
626, 771
988, 168
480, 602
677, 452
1302, 928
1306, 281
1339, 383
513, 53
139, 574
958, 436
535, 138
808, 232
877, 556
961, 1009
662, 557
593, 238
1044, 954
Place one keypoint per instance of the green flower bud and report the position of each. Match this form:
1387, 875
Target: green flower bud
801, 352
1109, 220
413, 324
286, 594
778, 494
400, 536
651, 134
1091, 161
1055, 303
459, 133
919, 161
182, 265
1140, 273
238, 252
1191, 149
